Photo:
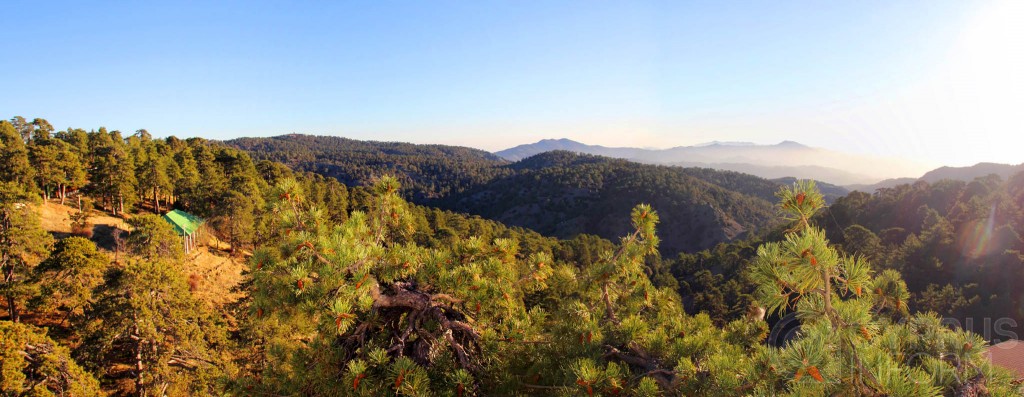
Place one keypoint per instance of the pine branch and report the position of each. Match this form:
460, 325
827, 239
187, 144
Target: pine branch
418, 307
667, 379
609, 310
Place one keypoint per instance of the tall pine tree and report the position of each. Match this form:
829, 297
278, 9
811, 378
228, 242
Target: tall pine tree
23, 244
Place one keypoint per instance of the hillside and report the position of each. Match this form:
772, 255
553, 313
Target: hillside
548, 145
426, 171
785, 159
558, 194
961, 174
564, 194
818, 173
967, 174
888, 183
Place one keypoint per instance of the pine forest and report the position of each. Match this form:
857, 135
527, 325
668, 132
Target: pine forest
390, 282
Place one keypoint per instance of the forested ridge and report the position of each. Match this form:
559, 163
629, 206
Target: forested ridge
564, 194
352, 290
556, 193
426, 171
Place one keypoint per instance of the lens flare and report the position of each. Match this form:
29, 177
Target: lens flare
976, 239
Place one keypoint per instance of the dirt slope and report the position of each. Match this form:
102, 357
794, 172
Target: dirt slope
212, 273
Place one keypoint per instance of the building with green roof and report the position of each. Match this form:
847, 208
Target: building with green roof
186, 225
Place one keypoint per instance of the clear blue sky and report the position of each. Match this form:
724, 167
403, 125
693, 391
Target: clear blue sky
495, 74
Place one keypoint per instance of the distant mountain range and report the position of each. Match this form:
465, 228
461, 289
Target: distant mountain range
969, 173
965, 174
785, 159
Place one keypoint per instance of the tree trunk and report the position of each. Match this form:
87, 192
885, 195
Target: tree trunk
120, 204
156, 199
79, 203
138, 356
62, 191
12, 308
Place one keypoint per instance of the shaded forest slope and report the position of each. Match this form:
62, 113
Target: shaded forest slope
563, 194
559, 194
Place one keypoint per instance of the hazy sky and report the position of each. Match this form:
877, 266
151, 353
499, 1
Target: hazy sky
936, 81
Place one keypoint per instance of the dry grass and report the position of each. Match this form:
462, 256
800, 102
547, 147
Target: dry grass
213, 276
56, 218
212, 273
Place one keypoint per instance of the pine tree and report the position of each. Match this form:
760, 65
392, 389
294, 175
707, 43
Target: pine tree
622, 335
32, 364
186, 182
154, 238
56, 165
23, 244
68, 277
210, 185
146, 325
381, 317
14, 161
41, 129
153, 176
43, 155
113, 171
78, 139
850, 342
22, 127
235, 219
72, 173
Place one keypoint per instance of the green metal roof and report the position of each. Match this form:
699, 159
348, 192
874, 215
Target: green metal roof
183, 222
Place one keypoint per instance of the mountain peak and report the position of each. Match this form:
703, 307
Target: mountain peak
724, 143
560, 141
791, 144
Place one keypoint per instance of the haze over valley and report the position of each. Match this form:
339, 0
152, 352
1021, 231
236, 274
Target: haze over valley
785, 159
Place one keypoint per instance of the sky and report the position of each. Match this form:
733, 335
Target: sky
936, 81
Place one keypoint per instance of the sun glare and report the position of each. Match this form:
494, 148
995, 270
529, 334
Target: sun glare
983, 78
